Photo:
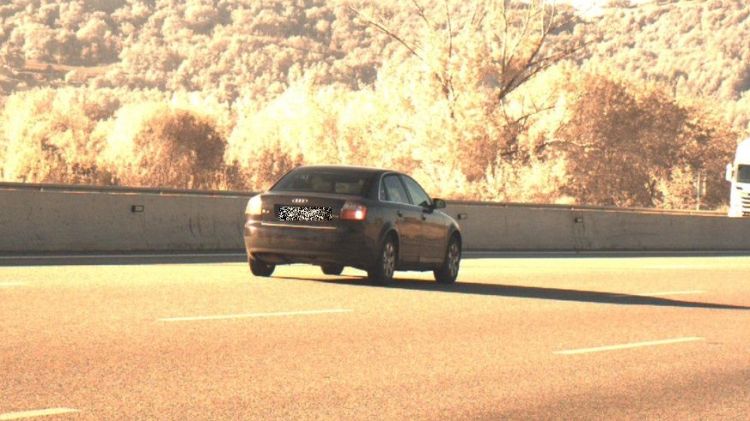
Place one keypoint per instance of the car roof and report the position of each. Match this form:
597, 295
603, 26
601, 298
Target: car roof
344, 167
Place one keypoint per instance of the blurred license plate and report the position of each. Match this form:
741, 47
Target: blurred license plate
304, 213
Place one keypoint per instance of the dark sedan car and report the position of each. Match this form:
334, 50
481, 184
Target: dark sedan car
335, 216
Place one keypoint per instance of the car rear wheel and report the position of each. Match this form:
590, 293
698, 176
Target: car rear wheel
382, 271
448, 271
332, 269
259, 268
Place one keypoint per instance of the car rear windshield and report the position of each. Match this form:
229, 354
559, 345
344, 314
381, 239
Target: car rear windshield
342, 181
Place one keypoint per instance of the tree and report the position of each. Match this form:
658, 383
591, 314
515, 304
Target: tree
47, 137
177, 148
512, 36
603, 150
475, 60
634, 145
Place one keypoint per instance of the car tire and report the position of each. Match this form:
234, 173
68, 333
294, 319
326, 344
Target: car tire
259, 268
448, 271
381, 273
332, 269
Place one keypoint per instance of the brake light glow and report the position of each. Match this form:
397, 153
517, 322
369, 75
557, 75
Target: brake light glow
254, 206
353, 211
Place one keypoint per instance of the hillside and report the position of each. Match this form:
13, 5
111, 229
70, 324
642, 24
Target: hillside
226, 47
694, 47
232, 93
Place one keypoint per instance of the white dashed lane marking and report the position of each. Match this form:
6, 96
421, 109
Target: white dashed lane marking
36, 413
628, 345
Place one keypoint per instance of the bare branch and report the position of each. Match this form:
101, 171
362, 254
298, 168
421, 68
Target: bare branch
477, 18
504, 62
534, 64
421, 13
535, 68
383, 29
450, 30
450, 46
522, 119
531, 15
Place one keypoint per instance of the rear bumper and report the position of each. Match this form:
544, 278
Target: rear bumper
281, 243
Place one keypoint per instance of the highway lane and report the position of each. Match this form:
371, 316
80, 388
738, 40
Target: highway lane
518, 338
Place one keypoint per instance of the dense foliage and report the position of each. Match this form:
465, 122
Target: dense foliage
232, 93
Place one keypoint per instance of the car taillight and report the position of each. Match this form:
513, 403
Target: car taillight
353, 211
254, 206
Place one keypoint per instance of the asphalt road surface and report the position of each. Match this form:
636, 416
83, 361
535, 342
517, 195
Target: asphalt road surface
515, 338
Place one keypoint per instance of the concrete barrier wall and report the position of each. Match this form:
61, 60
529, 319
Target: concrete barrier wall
87, 221
49, 220
530, 228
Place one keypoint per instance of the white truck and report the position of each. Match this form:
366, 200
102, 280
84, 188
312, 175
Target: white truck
739, 175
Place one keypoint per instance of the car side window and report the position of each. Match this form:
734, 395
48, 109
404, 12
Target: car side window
394, 190
417, 193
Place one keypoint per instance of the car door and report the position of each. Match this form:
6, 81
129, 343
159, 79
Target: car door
406, 217
432, 240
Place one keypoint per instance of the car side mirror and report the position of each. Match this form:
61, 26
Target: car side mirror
730, 173
438, 203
